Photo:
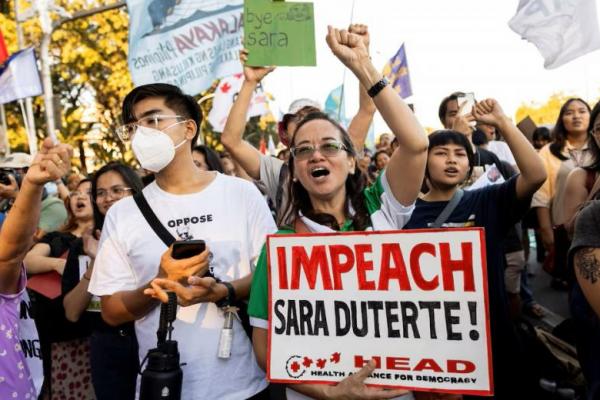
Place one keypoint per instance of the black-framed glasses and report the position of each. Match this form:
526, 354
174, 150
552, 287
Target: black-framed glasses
306, 151
126, 131
114, 191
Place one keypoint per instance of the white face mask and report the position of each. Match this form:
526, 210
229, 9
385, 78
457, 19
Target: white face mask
154, 149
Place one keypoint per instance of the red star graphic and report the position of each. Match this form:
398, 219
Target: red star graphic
295, 366
335, 357
237, 76
225, 87
321, 363
307, 362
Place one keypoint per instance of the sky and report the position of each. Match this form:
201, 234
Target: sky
459, 45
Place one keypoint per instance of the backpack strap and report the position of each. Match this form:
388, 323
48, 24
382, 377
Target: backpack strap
450, 207
153, 220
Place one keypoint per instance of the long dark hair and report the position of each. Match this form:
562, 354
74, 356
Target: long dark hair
130, 178
593, 146
212, 158
355, 184
559, 133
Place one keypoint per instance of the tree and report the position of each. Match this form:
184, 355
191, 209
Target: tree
544, 113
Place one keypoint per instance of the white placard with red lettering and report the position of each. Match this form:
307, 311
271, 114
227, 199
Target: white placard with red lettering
415, 301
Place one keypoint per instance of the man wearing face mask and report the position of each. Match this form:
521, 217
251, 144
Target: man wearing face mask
228, 213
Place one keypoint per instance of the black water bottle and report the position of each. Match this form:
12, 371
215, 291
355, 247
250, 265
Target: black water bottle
162, 378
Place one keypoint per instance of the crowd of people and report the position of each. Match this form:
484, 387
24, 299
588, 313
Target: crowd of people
92, 237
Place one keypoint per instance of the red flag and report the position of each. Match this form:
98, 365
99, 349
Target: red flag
3, 50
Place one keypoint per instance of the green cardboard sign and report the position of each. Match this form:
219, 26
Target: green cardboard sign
279, 33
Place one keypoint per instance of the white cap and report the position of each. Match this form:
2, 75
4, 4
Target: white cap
299, 104
16, 160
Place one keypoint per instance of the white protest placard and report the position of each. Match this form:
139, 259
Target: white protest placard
414, 301
187, 43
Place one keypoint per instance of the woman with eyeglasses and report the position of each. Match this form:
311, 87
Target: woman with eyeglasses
113, 350
328, 194
65, 375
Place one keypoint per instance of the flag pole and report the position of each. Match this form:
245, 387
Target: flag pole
4, 133
30, 135
344, 73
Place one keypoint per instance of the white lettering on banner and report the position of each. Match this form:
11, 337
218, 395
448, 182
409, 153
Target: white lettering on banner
414, 301
187, 43
30, 342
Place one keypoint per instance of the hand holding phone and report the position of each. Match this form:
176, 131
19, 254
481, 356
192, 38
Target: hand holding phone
187, 248
466, 102
184, 259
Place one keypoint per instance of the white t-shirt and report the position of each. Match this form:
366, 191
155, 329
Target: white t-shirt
233, 219
501, 150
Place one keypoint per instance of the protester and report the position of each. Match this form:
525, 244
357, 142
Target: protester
269, 170
381, 159
496, 208
113, 350
51, 162
569, 149
64, 345
499, 148
384, 143
541, 137
327, 193
584, 258
206, 159
229, 214
582, 182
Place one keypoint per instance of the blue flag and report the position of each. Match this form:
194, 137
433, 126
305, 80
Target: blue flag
334, 105
396, 72
19, 77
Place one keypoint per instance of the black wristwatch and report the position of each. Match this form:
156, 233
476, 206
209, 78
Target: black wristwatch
229, 299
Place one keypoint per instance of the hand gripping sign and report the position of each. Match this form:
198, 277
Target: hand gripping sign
414, 301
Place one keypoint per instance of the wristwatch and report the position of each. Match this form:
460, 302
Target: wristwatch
229, 299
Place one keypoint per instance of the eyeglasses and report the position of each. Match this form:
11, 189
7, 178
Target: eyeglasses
328, 149
126, 132
116, 192
77, 193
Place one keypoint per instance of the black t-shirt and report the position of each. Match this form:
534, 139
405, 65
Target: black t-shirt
49, 314
495, 208
70, 279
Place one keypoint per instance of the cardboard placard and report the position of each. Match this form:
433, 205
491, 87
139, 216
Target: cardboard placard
279, 33
415, 301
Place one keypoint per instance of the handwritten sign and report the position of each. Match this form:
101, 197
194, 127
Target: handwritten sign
279, 33
414, 301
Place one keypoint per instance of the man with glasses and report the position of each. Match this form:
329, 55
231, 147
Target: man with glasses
229, 214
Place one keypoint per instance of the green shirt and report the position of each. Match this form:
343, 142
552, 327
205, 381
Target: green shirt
385, 213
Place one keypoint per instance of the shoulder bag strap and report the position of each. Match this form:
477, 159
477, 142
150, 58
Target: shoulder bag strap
153, 220
450, 207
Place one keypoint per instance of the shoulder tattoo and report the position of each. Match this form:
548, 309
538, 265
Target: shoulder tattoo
587, 264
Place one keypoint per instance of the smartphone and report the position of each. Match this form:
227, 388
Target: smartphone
468, 99
187, 248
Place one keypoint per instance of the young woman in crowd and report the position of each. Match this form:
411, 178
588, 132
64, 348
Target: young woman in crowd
496, 208
581, 180
569, 149
113, 350
64, 345
328, 193
206, 159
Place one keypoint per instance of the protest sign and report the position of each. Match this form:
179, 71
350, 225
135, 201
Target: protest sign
279, 33
187, 43
414, 301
